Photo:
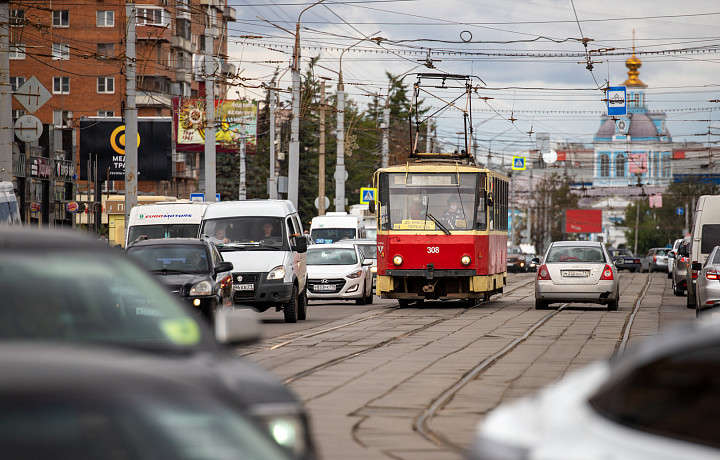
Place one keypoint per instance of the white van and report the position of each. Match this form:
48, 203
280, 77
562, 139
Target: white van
166, 219
9, 212
264, 241
705, 235
336, 226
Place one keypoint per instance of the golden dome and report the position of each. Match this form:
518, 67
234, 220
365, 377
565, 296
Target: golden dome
633, 64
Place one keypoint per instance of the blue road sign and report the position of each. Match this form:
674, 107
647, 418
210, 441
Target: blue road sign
617, 100
201, 197
368, 194
518, 163
679, 210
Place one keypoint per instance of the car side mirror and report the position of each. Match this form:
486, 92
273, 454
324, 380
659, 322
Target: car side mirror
224, 266
536, 260
237, 326
371, 206
301, 244
367, 263
696, 266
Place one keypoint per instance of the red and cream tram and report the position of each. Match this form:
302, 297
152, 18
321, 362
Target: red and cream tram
442, 229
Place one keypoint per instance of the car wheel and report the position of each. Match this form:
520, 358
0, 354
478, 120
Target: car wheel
302, 306
371, 298
690, 300
290, 308
613, 304
540, 305
670, 276
362, 300
676, 291
404, 303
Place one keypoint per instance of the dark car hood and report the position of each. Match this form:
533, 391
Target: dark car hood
176, 281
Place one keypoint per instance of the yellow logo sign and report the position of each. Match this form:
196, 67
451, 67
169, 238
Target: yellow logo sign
117, 140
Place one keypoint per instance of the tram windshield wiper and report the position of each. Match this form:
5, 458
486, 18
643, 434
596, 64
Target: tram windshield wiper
439, 224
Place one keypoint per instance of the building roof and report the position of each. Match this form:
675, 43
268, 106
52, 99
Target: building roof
641, 126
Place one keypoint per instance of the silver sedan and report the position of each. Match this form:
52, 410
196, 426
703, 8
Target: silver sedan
707, 285
577, 271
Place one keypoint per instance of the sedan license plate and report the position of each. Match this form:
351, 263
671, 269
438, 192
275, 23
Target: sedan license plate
325, 287
244, 287
575, 273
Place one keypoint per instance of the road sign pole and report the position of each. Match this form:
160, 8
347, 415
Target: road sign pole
6, 133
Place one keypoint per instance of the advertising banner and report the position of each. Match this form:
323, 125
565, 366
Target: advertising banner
583, 221
638, 163
236, 120
104, 139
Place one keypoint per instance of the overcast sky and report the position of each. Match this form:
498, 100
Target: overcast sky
528, 56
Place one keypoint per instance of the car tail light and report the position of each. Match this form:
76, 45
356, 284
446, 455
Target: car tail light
654, 258
607, 273
683, 259
543, 273
712, 275
694, 273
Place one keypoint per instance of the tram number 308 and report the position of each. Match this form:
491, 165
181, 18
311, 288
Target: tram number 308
433, 250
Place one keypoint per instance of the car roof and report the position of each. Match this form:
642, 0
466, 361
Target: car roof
359, 241
250, 208
577, 243
342, 245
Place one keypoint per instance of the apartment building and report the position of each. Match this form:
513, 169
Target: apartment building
76, 50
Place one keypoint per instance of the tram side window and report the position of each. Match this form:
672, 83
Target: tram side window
481, 223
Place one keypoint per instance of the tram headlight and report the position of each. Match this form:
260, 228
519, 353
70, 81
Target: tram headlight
397, 260
465, 260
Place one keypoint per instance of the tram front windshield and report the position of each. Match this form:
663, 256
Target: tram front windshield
427, 201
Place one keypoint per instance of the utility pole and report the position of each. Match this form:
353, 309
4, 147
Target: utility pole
272, 192
340, 158
131, 121
242, 192
321, 153
428, 145
210, 153
386, 135
6, 128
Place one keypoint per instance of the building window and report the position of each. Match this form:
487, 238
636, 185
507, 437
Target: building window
62, 118
655, 168
667, 164
620, 165
152, 17
17, 17
604, 165
105, 50
17, 113
105, 18
61, 85
61, 51
16, 82
106, 113
60, 18
105, 85
17, 51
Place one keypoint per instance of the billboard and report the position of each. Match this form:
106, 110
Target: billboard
236, 120
583, 221
104, 139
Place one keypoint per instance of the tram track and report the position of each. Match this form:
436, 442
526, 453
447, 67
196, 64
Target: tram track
423, 424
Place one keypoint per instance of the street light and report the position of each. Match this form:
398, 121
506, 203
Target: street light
294, 160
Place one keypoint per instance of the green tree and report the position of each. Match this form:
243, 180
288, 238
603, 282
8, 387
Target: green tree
552, 196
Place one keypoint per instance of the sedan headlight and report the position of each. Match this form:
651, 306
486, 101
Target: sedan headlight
356, 274
288, 430
277, 273
201, 288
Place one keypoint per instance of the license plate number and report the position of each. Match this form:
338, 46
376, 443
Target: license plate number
575, 273
325, 287
244, 287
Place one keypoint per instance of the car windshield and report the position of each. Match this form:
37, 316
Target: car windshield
176, 258
575, 254
332, 235
247, 233
331, 256
661, 252
369, 251
514, 250
159, 231
89, 297
87, 428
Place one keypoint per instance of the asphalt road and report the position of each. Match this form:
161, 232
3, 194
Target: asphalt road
382, 381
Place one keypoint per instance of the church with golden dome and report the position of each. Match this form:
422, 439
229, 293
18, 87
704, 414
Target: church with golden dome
635, 148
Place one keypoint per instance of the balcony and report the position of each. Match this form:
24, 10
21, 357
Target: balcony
229, 13
181, 43
228, 69
183, 76
153, 99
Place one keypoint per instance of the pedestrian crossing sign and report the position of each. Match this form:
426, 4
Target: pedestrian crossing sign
518, 163
368, 194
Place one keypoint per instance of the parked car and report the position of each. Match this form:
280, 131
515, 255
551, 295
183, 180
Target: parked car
671, 256
338, 271
625, 260
577, 271
59, 286
680, 267
656, 260
76, 402
191, 268
704, 236
515, 260
654, 402
707, 285
368, 248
